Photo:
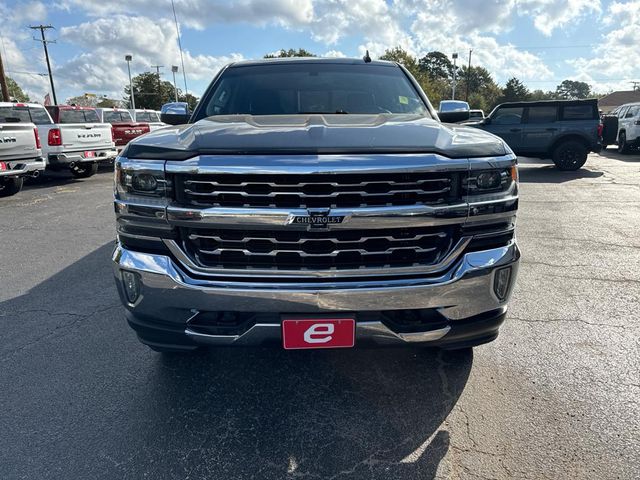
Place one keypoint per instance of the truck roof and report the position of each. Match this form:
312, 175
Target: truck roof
549, 102
20, 104
320, 60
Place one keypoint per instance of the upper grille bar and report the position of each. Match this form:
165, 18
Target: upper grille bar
322, 190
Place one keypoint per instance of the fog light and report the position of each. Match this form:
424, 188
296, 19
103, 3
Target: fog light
131, 286
489, 180
501, 282
144, 182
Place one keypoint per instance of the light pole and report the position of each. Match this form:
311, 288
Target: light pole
128, 58
174, 69
455, 74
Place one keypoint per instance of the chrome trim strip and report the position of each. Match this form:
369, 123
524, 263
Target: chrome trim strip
190, 266
355, 218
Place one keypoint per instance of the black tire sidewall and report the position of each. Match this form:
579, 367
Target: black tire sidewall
622, 143
11, 186
88, 170
580, 152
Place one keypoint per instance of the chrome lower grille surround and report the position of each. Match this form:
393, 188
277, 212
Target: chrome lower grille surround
301, 250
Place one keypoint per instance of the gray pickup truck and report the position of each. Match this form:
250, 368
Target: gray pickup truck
565, 131
315, 203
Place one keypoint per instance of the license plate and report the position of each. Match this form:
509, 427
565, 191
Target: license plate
299, 333
89, 154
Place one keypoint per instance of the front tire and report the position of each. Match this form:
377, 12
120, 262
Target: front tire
85, 170
10, 186
569, 155
623, 146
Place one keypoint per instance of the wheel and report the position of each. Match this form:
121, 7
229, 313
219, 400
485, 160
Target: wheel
10, 186
569, 155
84, 170
623, 146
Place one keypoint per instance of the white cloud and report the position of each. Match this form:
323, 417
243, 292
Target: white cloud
549, 15
616, 58
102, 68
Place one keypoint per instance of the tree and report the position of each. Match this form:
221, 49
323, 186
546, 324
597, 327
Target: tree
148, 93
401, 56
15, 92
436, 65
514, 91
190, 99
398, 54
573, 89
542, 95
301, 52
484, 93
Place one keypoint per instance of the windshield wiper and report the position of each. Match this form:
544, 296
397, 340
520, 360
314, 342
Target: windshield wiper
339, 111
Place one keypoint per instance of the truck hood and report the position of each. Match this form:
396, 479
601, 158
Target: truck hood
315, 134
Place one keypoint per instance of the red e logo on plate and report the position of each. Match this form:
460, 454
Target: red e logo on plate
318, 333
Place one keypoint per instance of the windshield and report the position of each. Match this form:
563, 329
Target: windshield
291, 89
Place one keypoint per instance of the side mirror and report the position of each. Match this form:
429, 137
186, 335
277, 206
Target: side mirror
452, 111
175, 113
486, 121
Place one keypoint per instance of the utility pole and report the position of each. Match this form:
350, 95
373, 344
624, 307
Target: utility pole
128, 59
158, 67
4, 88
174, 69
44, 41
455, 75
468, 76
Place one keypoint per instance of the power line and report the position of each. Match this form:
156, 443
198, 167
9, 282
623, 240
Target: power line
184, 73
44, 41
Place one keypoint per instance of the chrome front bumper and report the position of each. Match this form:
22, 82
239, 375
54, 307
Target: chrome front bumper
169, 297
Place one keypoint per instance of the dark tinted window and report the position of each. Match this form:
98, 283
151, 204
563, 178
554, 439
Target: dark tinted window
122, 116
507, 116
79, 116
91, 116
579, 112
542, 114
290, 89
71, 116
14, 114
39, 116
146, 117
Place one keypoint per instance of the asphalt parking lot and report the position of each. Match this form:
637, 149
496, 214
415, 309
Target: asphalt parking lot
556, 396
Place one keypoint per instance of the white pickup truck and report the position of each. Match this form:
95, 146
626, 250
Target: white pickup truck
20, 150
76, 138
148, 116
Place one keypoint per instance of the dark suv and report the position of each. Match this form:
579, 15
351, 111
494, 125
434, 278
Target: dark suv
565, 131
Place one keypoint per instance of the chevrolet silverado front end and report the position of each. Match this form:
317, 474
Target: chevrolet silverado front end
315, 203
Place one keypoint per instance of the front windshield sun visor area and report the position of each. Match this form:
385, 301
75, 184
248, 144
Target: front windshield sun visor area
308, 88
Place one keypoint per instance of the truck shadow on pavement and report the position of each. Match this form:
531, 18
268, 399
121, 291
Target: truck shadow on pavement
550, 174
85, 400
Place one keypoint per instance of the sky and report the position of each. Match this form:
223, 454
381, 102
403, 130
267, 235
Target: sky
542, 42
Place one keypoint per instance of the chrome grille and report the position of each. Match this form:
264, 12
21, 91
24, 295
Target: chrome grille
317, 250
316, 190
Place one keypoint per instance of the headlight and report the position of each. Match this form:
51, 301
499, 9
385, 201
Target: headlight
490, 181
140, 178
